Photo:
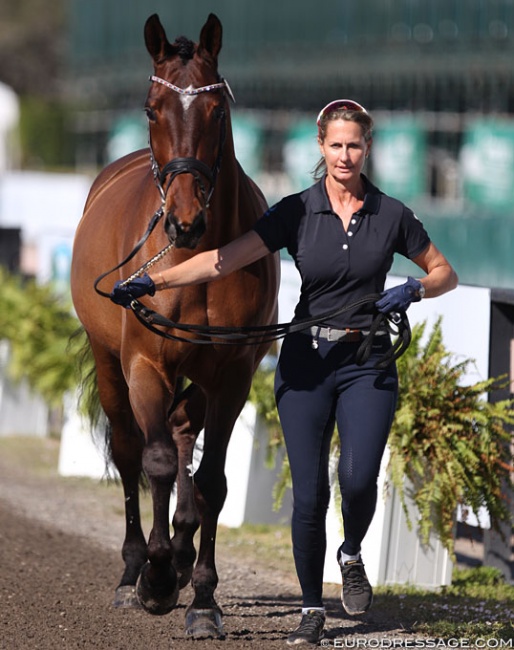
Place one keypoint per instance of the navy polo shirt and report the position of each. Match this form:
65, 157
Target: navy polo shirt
339, 267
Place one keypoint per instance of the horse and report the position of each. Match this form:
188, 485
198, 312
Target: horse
191, 182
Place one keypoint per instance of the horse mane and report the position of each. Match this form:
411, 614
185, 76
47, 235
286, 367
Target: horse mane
185, 48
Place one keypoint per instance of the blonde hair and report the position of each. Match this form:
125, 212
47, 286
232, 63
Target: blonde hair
362, 118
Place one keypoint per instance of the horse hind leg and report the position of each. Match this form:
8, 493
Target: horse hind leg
186, 421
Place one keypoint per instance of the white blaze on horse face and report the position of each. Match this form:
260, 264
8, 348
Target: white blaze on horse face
186, 100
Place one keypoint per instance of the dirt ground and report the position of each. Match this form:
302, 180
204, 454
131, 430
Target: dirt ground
60, 562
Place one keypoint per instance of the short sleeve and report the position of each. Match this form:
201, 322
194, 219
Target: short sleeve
413, 238
274, 227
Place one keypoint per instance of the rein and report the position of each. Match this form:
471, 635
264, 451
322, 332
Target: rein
395, 323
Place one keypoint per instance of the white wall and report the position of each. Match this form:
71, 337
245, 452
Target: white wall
47, 207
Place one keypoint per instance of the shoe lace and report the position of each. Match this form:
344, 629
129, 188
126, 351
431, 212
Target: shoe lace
354, 578
310, 623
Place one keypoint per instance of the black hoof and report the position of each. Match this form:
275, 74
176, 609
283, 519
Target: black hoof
157, 599
125, 597
204, 624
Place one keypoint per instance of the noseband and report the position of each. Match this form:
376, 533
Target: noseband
192, 166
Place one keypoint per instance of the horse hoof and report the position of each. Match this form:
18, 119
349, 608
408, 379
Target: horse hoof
125, 597
204, 624
157, 600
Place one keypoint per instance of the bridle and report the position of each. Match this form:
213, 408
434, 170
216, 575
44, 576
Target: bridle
187, 165
175, 167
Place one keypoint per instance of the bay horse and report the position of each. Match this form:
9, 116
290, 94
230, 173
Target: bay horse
190, 177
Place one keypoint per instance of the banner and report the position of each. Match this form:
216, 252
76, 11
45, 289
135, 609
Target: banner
301, 153
487, 163
248, 143
399, 155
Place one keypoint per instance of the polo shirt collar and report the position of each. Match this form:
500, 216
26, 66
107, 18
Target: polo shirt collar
371, 203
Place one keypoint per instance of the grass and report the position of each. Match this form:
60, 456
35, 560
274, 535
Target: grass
469, 609
477, 607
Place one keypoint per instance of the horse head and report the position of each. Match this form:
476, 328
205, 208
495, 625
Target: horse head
187, 110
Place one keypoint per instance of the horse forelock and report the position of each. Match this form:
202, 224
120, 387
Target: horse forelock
185, 48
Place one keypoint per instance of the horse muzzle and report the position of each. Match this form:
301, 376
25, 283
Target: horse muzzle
185, 234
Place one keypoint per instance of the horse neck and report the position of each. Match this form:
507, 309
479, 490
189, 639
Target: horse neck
233, 206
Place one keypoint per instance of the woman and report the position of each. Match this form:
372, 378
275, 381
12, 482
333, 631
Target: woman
342, 233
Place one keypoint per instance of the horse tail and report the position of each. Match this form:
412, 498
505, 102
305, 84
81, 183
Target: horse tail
88, 394
89, 405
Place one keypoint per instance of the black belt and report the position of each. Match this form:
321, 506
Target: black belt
346, 336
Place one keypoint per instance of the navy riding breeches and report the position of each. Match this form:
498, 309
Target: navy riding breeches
316, 389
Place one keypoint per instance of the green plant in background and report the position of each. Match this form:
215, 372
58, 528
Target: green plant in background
45, 133
448, 445
263, 397
39, 328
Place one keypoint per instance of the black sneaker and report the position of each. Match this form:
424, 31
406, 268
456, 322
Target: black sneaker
310, 629
356, 593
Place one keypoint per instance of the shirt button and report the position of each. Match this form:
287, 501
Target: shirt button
350, 233
353, 221
345, 247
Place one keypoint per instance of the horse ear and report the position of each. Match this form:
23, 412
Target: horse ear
156, 41
210, 36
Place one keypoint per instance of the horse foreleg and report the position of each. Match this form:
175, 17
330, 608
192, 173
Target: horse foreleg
186, 422
157, 586
204, 617
125, 442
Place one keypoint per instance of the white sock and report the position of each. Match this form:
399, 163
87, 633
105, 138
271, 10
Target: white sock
347, 558
306, 610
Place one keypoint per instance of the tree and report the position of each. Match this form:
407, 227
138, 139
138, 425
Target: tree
32, 46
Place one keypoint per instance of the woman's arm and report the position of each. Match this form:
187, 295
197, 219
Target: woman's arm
213, 264
440, 276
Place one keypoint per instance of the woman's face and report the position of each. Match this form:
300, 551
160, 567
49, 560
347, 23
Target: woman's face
344, 149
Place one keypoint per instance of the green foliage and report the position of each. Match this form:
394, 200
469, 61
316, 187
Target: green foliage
449, 446
262, 396
39, 326
483, 576
45, 134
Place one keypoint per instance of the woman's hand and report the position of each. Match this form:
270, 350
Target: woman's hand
400, 297
123, 294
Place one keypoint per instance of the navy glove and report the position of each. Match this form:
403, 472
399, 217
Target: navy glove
124, 294
400, 297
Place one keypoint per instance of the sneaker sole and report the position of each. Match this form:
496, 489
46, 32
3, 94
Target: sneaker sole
355, 612
304, 642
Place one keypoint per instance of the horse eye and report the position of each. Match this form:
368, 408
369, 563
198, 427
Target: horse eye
219, 112
150, 113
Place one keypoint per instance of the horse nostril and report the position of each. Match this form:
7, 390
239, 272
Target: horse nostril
185, 234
